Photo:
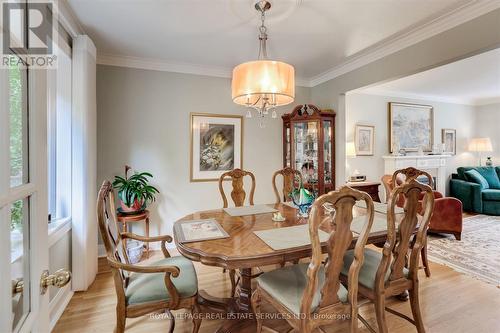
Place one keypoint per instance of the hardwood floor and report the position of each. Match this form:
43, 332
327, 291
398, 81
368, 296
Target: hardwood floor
451, 302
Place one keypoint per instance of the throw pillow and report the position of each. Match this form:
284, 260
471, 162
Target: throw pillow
475, 177
490, 175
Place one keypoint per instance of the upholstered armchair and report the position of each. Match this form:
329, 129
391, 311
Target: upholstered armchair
447, 216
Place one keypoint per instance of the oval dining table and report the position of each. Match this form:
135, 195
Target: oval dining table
243, 250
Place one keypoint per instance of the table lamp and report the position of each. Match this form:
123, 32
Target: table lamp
350, 152
480, 145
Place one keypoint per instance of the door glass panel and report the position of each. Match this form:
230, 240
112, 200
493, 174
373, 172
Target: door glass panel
19, 258
18, 122
327, 151
287, 152
306, 151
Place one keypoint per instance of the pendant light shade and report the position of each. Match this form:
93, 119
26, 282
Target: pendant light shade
263, 81
263, 84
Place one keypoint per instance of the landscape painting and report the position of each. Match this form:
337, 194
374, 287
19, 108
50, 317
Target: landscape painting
410, 127
215, 145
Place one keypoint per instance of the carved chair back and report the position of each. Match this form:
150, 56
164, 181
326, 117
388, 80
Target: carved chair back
402, 240
339, 242
290, 177
238, 193
111, 236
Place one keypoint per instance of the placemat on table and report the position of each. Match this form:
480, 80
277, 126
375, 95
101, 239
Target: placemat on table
379, 224
380, 207
288, 237
249, 210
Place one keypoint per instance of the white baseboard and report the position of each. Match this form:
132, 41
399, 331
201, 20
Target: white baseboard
59, 304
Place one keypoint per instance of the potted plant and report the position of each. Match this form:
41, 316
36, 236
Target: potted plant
134, 192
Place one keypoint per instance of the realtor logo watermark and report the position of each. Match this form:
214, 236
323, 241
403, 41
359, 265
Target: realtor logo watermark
28, 33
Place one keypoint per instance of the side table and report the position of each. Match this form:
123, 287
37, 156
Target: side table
369, 187
130, 218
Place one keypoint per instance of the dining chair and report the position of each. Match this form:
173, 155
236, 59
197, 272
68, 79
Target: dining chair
447, 215
238, 195
310, 295
395, 269
166, 284
289, 177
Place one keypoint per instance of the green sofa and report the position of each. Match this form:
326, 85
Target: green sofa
478, 188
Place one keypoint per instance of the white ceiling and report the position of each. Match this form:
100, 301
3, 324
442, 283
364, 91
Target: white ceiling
315, 36
472, 81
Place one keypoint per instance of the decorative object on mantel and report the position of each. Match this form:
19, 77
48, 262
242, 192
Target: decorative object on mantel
411, 127
134, 192
263, 84
449, 141
216, 145
309, 146
480, 145
364, 139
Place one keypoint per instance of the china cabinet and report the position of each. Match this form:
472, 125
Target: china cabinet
309, 146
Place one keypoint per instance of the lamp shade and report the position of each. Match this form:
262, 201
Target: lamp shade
350, 149
254, 81
480, 144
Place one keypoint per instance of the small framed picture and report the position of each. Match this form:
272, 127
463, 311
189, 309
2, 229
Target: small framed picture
449, 140
364, 137
216, 145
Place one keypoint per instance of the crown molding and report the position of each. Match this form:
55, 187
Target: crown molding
68, 19
451, 18
161, 65
413, 96
164, 66
430, 98
463, 13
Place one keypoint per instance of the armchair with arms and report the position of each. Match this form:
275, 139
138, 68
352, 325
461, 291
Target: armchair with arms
167, 284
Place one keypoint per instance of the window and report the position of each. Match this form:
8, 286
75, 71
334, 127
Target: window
59, 134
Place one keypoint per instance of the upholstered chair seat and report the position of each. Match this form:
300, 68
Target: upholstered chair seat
287, 285
150, 287
368, 271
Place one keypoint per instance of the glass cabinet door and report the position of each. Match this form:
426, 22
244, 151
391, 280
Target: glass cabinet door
306, 151
288, 156
327, 151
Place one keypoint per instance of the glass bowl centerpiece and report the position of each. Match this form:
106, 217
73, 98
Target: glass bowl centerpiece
303, 199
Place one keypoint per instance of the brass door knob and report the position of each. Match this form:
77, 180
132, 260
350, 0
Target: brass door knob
59, 279
17, 286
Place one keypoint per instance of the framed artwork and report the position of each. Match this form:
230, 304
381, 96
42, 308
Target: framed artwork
411, 127
216, 145
364, 137
449, 141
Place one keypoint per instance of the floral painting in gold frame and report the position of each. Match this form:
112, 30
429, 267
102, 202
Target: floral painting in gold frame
216, 145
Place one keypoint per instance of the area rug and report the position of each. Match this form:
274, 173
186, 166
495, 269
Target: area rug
477, 254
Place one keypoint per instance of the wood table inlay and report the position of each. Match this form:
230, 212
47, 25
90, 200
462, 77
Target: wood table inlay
244, 250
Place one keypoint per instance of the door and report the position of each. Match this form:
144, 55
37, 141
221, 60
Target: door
23, 202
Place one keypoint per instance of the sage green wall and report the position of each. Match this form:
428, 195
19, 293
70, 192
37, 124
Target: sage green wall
143, 121
473, 37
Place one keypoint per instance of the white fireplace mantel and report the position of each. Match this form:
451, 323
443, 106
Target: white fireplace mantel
433, 164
